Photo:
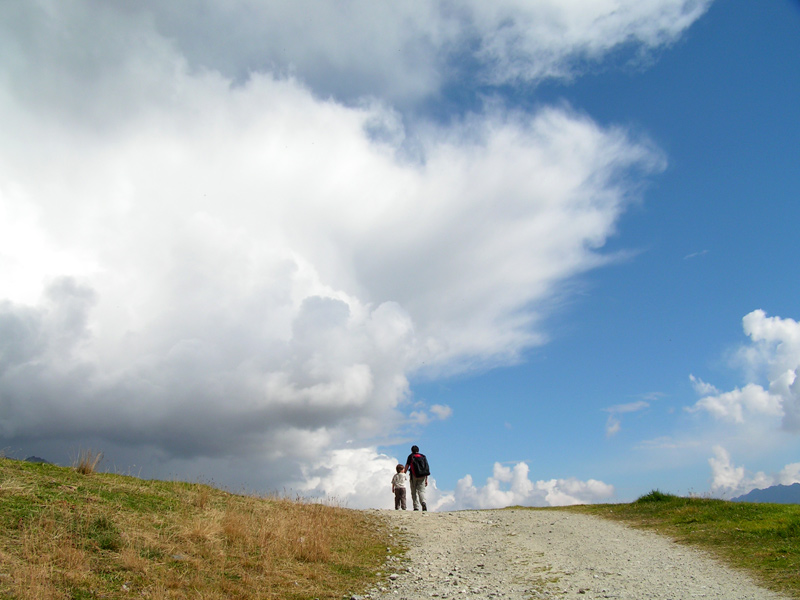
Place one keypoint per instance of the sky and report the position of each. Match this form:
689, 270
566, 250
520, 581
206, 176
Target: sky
270, 246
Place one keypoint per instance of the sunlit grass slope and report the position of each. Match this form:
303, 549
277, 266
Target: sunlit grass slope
69, 535
763, 539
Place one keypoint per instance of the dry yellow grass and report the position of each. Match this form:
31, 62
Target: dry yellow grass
86, 461
65, 535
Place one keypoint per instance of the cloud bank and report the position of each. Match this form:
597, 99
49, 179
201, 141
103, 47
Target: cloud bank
774, 356
411, 51
765, 409
226, 252
729, 481
511, 486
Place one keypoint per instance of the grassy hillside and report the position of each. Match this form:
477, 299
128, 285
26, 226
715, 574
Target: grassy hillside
72, 535
763, 539
68, 534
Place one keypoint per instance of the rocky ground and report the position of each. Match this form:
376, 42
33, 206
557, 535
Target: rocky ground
519, 554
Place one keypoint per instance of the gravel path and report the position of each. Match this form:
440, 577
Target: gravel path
523, 554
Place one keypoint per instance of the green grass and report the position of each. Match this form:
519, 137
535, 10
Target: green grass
762, 539
71, 535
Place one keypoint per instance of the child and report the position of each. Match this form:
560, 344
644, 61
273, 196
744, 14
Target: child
399, 488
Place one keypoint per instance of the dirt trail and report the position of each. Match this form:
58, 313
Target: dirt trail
519, 554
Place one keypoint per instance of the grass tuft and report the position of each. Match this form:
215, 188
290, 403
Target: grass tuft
87, 461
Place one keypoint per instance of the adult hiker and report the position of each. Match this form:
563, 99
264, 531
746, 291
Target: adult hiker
417, 466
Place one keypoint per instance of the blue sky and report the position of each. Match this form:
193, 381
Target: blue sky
272, 246
714, 238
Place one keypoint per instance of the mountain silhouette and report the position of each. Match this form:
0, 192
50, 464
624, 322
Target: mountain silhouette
36, 459
777, 494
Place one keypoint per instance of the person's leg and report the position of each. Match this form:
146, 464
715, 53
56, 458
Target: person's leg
414, 490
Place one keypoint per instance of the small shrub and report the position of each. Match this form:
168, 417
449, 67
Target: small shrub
656, 496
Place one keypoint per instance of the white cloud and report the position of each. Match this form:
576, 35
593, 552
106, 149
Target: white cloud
532, 40
773, 355
410, 50
511, 486
776, 350
423, 415
209, 260
629, 407
734, 405
695, 254
702, 388
266, 265
356, 478
729, 481
613, 424
359, 478
789, 474
441, 411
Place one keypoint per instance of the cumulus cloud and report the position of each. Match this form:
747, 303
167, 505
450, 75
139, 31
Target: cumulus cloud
511, 486
733, 405
215, 259
357, 478
268, 266
773, 355
729, 480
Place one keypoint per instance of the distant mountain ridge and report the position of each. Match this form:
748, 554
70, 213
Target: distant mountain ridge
36, 459
777, 494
